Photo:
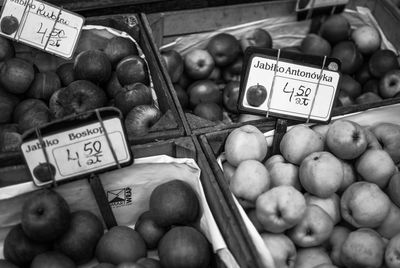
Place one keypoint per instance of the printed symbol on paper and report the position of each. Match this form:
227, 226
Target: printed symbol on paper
119, 197
256, 95
9, 24
44, 172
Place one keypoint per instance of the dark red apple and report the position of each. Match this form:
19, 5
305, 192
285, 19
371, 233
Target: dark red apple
344, 99
204, 91
371, 85
149, 230
224, 48
77, 97
231, 96
184, 81
66, 73
16, 75
233, 71
368, 97
92, 65
118, 48
113, 86
140, 119
133, 95
350, 86
9, 24
7, 104
363, 74
256, 95
198, 64
209, 110
26, 106
257, 37
182, 95
382, 61
52, 259
44, 172
36, 116
174, 63
20, 249
389, 85
10, 141
7, 50
349, 55
132, 69
215, 75
314, 44
335, 29
44, 85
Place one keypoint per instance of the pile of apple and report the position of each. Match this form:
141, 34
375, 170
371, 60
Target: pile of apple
50, 235
206, 80
112, 76
329, 199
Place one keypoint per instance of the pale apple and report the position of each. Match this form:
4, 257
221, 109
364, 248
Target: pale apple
311, 257
282, 249
389, 84
321, 129
392, 252
376, 166
335, 243
346, 139
393, 189
277, 158
251, 178
314, 228
372, 140
299, 142
363, 248
321, 174
388, 134
249, 117
390, 225
280, 208
229, 170
245, 142
349, 176
331, 205
367, 39
364, 204
284, 173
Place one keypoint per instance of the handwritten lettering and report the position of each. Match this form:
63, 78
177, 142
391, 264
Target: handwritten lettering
42, 11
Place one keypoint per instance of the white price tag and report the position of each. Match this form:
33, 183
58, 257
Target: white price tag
41, 25
77, 152
300, 91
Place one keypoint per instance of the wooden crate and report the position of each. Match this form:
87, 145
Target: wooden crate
171, 124
167, 26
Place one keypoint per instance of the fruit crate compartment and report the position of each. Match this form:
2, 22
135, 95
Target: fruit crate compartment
168, 26
183, 147
170, 125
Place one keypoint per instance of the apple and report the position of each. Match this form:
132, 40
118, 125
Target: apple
372, 140
132, 69
311, 257
215, 75
272, 160
280, 208
133, 95
249, 117
344, 99
349, 85
45, 216
229, 170
389, 85
393, 188
363, 248
233, 71
129, 265
209, 110
335, 28
314, 228
283, 173
118, 48
198, 64
392, 252
252, 215
44, 85
346, 139
149, 263
322, 129
282, 249
224, 48
10, 141
120, 244
364, 204
173, 62
149, 230
20, 249
349, 55
256, 95
184, 81
243, 143
368, 97
105, 265
77, 97
330, 205
7, 103
390, 225
52, 259
321, 174
182, 95
204, 91
363, 74
376, 166
366, 38
371, 85
92, 65
9, 24
314, 44
388, 134
16, 75
7, 50
251, 178
349, 176
66, 73
113, 86
80, 240
256, 37
335, 243
140, 119
382, 61
299, 142
230, 96
37, 116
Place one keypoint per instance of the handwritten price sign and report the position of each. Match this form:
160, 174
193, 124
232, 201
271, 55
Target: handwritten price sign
289, 89
41, 25
77, 151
